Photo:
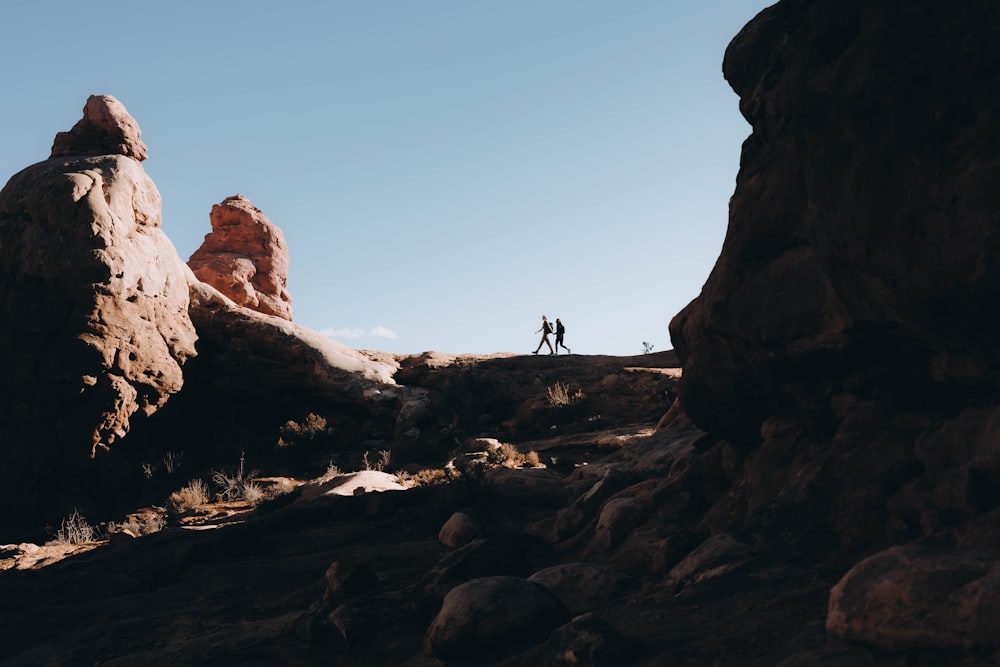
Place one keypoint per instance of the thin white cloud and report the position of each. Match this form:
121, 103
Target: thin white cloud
345, 332
383, 332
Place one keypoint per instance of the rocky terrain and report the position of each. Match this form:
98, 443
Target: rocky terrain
812, 478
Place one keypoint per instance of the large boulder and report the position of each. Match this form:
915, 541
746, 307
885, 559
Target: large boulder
491, 612
95, 325
861, 256
245, 257
917, 596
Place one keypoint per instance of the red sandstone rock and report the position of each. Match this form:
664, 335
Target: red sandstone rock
245, 257
105, 129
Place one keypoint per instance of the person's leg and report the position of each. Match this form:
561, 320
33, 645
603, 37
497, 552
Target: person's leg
551, 351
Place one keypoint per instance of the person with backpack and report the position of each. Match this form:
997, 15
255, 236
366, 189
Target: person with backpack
560, 331
546, 330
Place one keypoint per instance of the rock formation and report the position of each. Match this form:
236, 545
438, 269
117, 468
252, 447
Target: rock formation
95, 300
105, 129
860, 261
846, 339
245, 257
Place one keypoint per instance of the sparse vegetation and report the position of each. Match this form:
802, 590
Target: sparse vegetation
172, 461
234, 487
561, 396
312, 427
647, 347
332, 470
428, 477
243, 485
508, 456
75, 530
379, 464
195, 494
253, 492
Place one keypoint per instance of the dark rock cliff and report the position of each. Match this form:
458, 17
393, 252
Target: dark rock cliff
861, 258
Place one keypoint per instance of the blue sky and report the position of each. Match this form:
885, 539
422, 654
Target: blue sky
445, 172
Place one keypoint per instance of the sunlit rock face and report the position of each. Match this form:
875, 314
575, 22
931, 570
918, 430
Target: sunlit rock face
862, 260
246, 258
95, 301
106, 128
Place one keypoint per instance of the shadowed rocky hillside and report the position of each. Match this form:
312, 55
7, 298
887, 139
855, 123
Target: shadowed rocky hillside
812, 479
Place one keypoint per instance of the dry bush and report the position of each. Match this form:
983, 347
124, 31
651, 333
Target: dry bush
379, 465
332, 470
313, 426
75, 530
561, 396
239, 485
508, 456
428, 477
195, 494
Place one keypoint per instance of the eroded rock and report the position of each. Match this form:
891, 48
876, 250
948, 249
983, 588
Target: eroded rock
106, 128
96, 326
246, 258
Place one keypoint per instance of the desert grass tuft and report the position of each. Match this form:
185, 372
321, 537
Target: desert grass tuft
195, 494
561, 396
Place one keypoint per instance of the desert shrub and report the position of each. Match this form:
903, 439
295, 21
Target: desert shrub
242, 485
75, 530
311, 427
332, 470
561, 396
379, 464
230, 486
234, 486
428, 477
508, 456
193, 495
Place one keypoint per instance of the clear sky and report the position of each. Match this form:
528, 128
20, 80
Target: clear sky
445, 171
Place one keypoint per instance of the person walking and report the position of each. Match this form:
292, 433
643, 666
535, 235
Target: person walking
545, 330
560, 331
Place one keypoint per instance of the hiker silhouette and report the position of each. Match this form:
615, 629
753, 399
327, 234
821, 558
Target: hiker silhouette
545, 330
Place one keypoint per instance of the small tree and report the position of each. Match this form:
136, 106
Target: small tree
647, 347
